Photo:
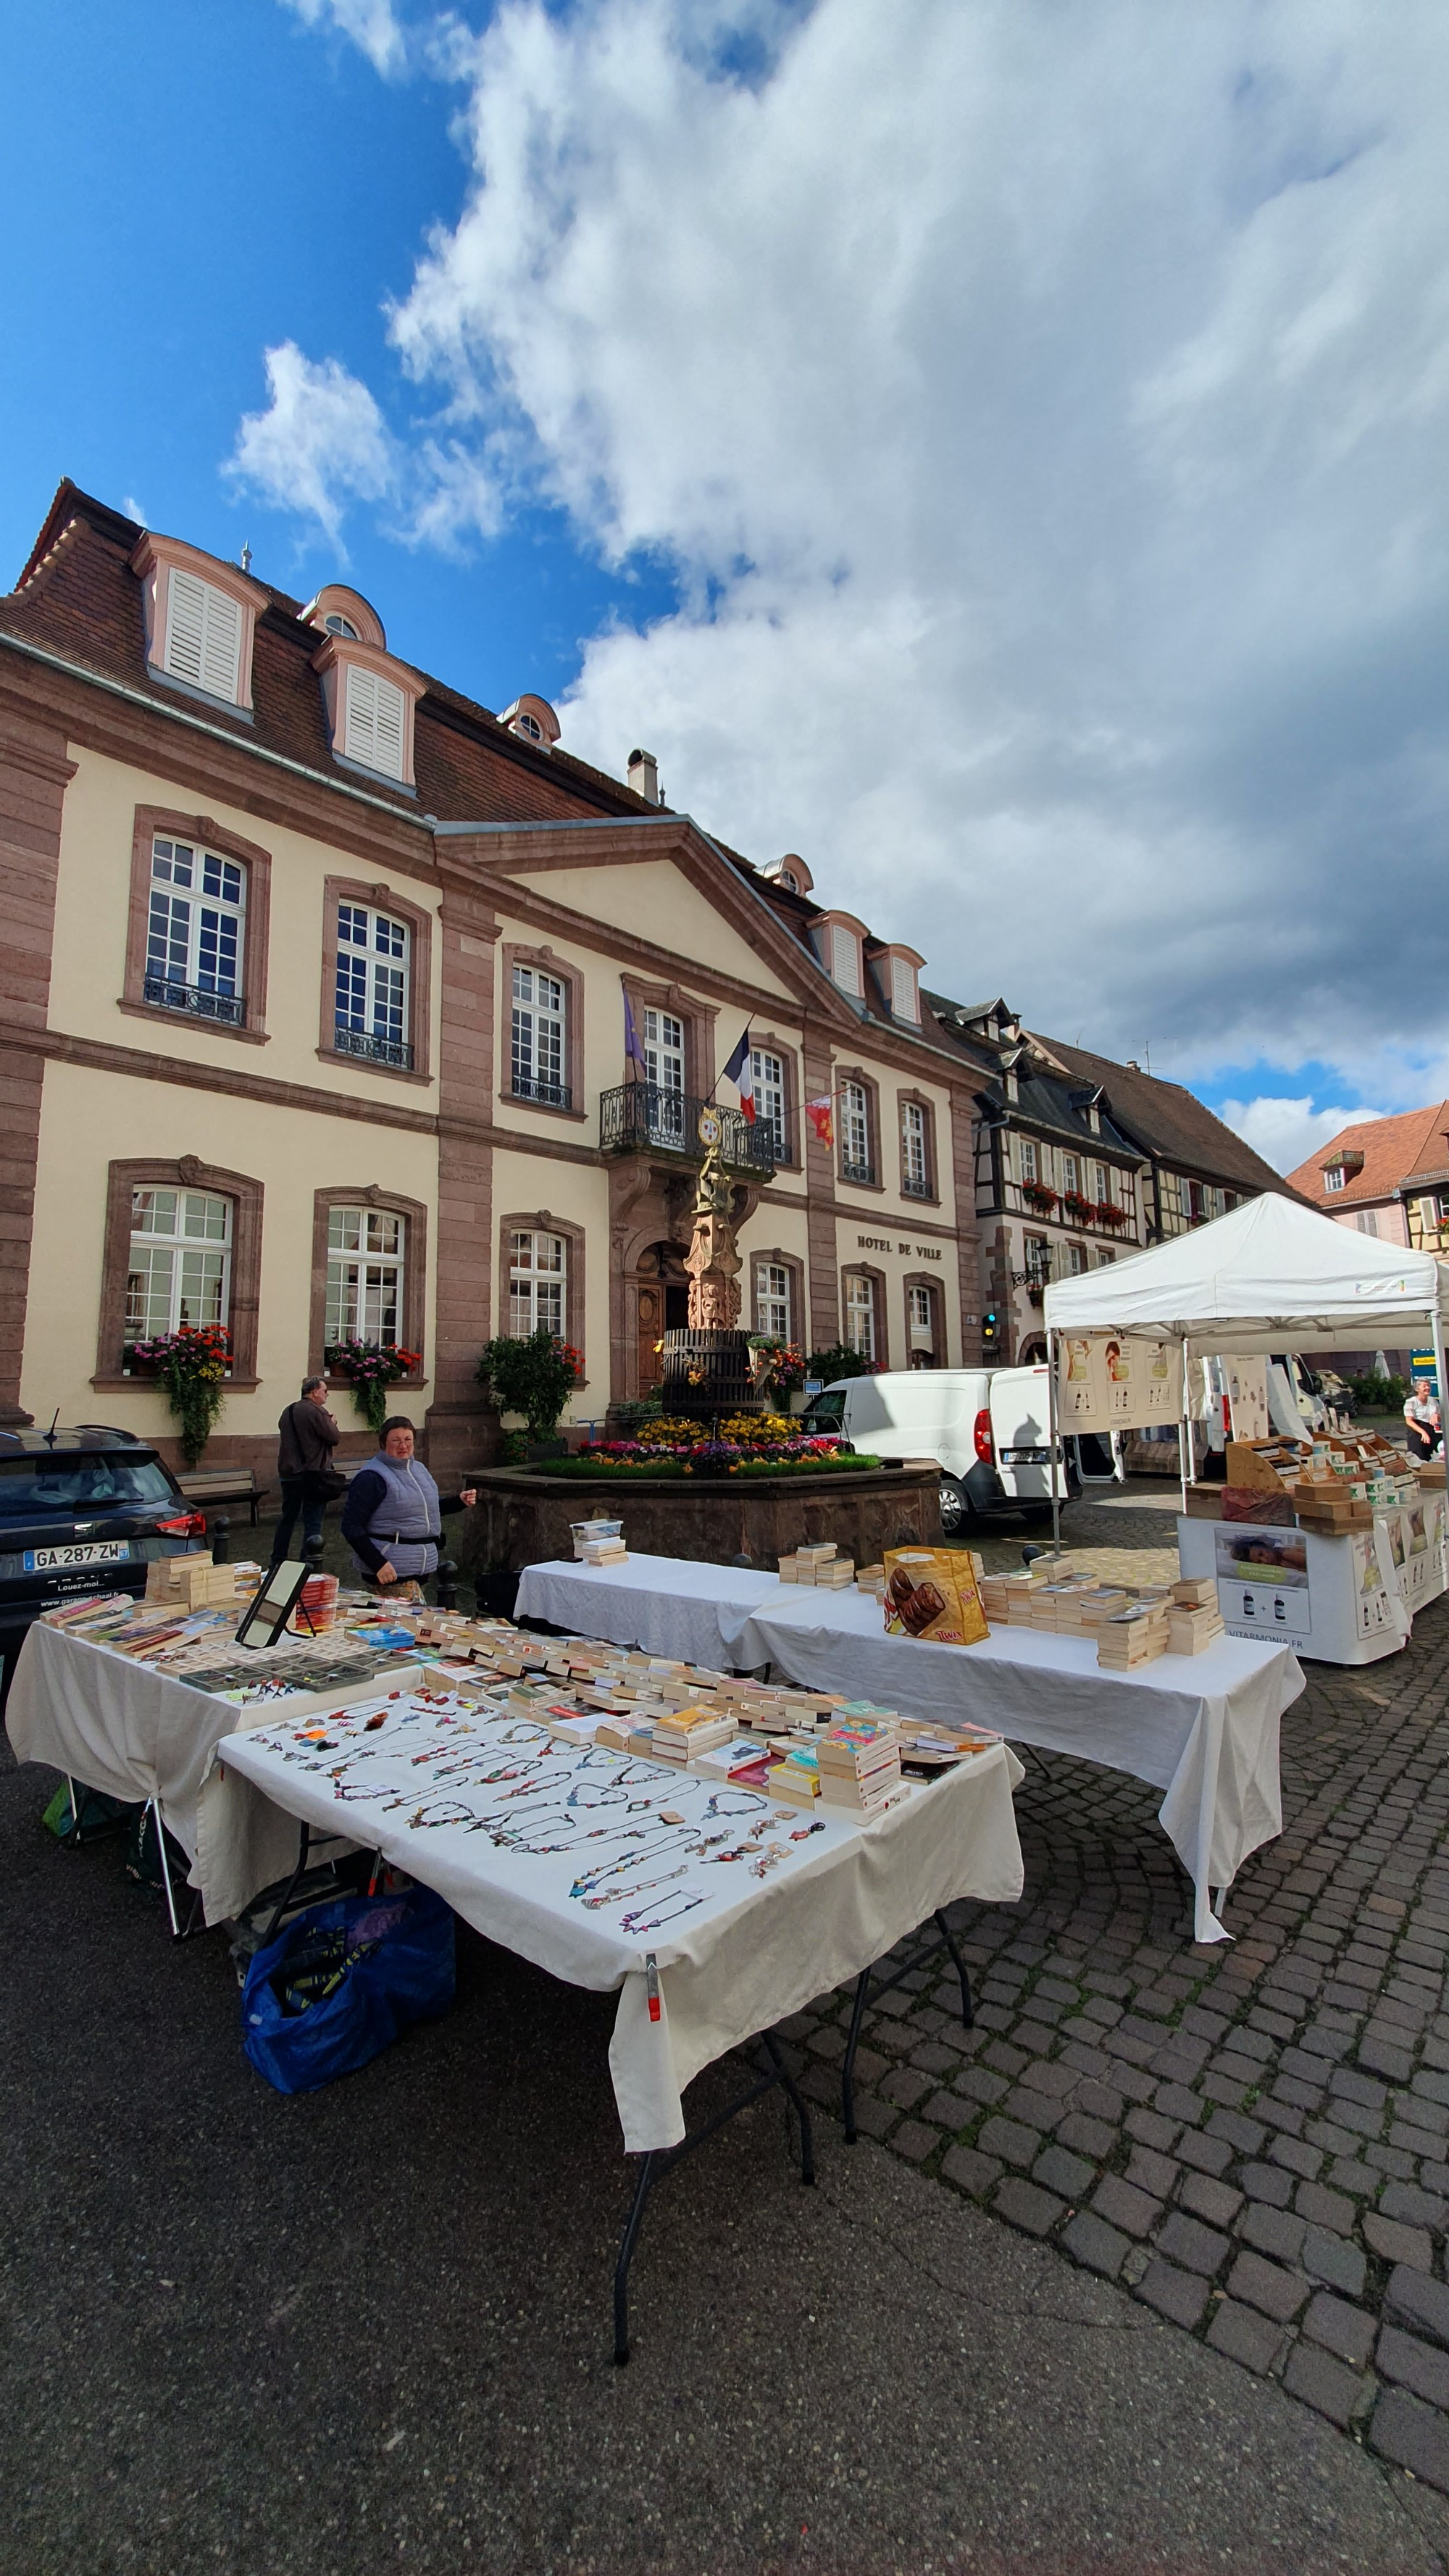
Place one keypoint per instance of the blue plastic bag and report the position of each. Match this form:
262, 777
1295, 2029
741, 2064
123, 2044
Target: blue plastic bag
399, 1969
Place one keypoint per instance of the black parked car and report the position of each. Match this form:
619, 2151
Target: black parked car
81, 1511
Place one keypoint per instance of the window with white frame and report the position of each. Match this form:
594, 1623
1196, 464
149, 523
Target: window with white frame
845, 958
1368, 1222
179, 1268
915, 1157
860, 1314
772, 1299
921, 1317
903, 989
1026, 1150
196, 932
373, 1006
540, 1053
1038, 1260
203, 636
1069, 1172
768, 1072
375, 730
336, 624
1333, 1177
664, 1070
1076, 1259
1102, 1184
857, 1159
366, 1252
537, 1282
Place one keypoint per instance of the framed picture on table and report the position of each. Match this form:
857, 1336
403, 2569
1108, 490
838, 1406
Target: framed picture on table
268, 1614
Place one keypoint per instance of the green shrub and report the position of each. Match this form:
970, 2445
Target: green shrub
1374, 1394
838, 1361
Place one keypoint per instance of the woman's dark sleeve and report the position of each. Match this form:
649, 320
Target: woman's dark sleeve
363, 1496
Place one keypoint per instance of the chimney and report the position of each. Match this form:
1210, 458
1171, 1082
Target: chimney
644, 776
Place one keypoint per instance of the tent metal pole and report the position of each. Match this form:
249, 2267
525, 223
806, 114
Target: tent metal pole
1052, 1438
1184, 1432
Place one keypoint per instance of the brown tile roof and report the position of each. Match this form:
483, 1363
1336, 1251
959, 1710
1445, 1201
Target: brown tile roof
1171, 1123
79, 598
1394, 1150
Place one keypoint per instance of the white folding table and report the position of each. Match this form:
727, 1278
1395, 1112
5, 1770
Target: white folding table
1203, 1729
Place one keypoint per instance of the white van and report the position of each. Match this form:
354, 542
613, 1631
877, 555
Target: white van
988, 1430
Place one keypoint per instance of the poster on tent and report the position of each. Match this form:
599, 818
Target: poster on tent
1246, 1386
1107, 1382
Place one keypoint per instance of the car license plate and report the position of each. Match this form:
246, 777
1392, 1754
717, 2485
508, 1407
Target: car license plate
104, 1551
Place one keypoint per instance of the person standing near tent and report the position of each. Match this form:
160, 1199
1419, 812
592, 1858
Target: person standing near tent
1421, 1413
393, 1517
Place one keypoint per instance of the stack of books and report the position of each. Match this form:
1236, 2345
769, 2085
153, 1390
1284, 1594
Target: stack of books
821, 1564
1194, 1621
858, 1762
1136, 1635
687, 1732
796, 1779
192, 1582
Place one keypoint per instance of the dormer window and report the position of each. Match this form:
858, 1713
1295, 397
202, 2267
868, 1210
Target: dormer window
200, 615
791, 873
336, 624
376, 722
1333, 1177
840, 936
533, 720
899, 971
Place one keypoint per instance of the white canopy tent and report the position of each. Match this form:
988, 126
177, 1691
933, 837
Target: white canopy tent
1272, 1275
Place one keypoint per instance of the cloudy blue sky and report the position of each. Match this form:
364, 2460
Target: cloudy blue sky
994, 447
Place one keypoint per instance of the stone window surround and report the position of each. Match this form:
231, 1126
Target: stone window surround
699, 1019
922, 1279
856, 1073
334, 657
202, 833
184, 1172
543, 1221
413, 1328
863, 1270
794, 1269
546, 962
919, 1100
787, 1049
379, 898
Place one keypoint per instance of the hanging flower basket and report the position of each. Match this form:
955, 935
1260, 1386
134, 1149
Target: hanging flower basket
1082, 1209
191, 1364
1038, 1196
1108, 1213
370, 1368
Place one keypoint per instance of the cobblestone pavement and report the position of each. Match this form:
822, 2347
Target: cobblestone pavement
1252, 2137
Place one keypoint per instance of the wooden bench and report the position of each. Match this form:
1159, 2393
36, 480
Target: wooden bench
223, 1485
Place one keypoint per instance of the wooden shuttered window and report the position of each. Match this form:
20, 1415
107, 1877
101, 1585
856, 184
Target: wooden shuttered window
203, 636
374, 732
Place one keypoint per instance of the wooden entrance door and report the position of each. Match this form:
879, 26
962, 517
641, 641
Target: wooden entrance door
651, 1327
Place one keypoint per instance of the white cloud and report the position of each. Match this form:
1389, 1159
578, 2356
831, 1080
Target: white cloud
1045, 411
1286, 1132
321, 442
133, 510
369, 23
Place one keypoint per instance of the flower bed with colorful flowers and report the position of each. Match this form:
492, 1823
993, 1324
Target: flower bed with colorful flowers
747, 1444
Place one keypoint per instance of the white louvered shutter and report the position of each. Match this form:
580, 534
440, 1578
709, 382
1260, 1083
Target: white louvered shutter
203, 636
843, 963
375, 714
903, 989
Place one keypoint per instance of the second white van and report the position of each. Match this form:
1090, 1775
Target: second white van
987, 1429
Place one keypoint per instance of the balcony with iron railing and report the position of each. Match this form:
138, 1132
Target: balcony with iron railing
197, 1001
544, 1095
373, 1046
645, 1118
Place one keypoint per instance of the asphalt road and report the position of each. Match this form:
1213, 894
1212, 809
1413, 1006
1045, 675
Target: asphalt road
369, 2328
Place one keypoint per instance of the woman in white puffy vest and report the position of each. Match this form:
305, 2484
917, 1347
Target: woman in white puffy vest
393, 1516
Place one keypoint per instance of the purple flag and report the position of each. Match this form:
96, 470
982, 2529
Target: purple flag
633, 1052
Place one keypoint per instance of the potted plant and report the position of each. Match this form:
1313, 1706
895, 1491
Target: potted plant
370, 1368
533, 1374
1038, 1196
1108, 1213
1081, 1209
191, 1364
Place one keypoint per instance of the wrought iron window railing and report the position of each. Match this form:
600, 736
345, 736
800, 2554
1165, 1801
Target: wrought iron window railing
644, 1117
372, 1047
196, 1001
548, 1095
916, 1189
853, 1171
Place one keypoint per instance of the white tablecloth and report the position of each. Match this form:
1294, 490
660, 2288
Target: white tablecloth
754, 1949
1202, 1728
633, 1604
116, 1726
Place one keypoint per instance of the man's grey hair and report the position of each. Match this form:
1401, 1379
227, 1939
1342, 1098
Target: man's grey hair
309, 1382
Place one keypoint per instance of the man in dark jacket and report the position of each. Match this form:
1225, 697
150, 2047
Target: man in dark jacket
307, 1436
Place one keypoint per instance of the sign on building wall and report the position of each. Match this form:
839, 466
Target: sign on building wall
1107, 1383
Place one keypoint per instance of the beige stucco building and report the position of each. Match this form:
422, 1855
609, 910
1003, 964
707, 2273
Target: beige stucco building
338, 1005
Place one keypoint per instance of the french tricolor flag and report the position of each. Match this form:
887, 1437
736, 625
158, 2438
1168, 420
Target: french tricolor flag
741, 1072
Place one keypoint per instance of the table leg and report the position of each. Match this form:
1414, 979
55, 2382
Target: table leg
945, 1940
659, 2161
